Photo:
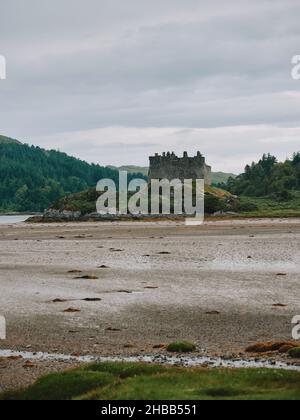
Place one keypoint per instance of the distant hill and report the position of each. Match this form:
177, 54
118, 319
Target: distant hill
217, 177
8, 140
32, 178
132, 169
221, 177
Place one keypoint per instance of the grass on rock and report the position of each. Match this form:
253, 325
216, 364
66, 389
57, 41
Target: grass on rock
181, 347
294, 353
273, 346
134, 381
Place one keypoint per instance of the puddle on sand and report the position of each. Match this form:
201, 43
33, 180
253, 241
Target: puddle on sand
186, 361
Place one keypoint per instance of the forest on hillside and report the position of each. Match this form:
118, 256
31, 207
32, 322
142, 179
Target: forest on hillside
268, 177
32, 178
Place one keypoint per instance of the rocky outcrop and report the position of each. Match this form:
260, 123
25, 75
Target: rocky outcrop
81, 207
56, 216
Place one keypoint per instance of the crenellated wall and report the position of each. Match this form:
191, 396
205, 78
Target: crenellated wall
169, 166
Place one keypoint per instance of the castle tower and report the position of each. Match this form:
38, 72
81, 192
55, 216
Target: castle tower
169, 166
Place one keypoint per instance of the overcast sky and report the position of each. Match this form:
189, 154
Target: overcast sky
113, 81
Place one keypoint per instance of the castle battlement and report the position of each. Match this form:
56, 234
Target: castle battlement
169, 166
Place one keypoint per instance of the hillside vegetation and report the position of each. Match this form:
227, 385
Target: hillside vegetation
32, 178
268, 188
85, 202
268, 177
8, 140
221, 177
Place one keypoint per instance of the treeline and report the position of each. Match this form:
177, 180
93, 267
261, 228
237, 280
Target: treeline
268, 177
32, 178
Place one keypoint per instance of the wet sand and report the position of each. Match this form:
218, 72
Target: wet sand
217, 285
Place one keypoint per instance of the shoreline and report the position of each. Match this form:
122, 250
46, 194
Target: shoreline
40, 219
179, 359
20, 214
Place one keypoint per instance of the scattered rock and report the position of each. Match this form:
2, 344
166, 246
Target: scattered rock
294, 352
279, 305
76, 354
59, 300
159, 346
281, 274
28, 364
87, 277
110, 329
286, 348
151, 287
71, 310
270, 347
91, 300
124, 291
103, 266
74, 271
213, 313
14, 358
164, 253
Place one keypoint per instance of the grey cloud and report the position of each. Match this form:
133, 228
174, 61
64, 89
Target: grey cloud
77, 66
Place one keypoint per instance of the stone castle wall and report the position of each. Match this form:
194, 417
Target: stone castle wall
169, 166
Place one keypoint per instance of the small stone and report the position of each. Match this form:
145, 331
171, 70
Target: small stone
213, 313
71, 310
28, 364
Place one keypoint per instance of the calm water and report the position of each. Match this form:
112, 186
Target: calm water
12, 219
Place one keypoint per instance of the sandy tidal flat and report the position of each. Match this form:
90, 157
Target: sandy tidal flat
223, 285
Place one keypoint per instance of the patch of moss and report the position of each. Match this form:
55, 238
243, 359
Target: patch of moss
294, 353
181, 347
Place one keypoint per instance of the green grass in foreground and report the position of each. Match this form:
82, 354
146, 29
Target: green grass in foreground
130, 381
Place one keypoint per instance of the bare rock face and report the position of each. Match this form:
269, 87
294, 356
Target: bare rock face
53, 215
58, 216
62, 214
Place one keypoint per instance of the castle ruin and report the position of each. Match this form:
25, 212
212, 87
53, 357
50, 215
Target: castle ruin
169, 166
